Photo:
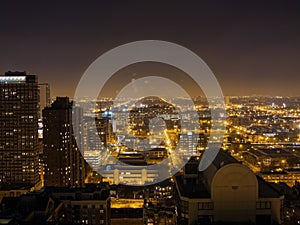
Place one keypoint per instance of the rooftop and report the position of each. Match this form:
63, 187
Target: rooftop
199, 187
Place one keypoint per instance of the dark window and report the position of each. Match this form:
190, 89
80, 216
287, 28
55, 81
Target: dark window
205, 220
205, 205
263, 205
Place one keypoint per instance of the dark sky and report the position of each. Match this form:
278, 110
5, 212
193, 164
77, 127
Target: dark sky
253, 47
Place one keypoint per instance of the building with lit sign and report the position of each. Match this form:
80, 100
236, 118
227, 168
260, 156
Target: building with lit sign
19, 147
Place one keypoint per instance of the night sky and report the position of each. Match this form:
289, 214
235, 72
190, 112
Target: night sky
253, 47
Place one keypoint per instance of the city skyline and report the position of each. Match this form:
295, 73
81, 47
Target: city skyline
252, 47
135, 112
148, 167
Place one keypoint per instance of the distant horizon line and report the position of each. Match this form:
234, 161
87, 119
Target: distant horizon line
193, 97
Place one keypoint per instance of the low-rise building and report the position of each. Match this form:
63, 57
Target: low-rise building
84, 206
227, 191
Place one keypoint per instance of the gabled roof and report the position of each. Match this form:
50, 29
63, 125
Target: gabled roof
266, 190
190, 189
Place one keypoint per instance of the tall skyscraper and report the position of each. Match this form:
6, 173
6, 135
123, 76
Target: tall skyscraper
44, 97
98, 140
63, 162
19, 147
44, 101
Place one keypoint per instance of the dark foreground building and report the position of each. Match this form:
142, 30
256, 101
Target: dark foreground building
55, 206
228, 192
63, 162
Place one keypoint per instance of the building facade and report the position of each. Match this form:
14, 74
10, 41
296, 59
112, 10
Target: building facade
83, 206
228, 191
44, 97
19, 147
63, 162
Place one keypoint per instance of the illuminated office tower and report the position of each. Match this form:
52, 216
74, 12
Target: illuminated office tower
19, 147
63, 162
98, 140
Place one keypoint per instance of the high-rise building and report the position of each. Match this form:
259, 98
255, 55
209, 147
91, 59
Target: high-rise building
44, 97
19, 147
189, 143
98, 140
44, 101
63, 162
